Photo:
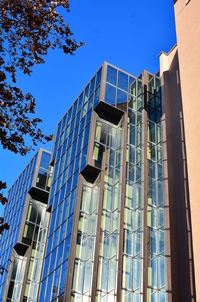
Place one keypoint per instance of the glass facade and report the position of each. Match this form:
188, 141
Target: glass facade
86, 238
24, 235
13, 212
110, 137
119, 249
106, 237
69, 158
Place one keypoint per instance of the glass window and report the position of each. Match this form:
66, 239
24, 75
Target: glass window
110, 94
49, 285
111, 75
137, 271
123, 81
161, 241
121, 97
69, 115
112, 275
137, 243
63, 277
10, 290
55, 289
154, 272
46, 266
67, 247
84, 157
153, 240
45, 160
128, 240
41, 179
101, 132
59, 256
128, 273
86, 94
84, 110
92, 85
98, 77
32, 213
42, 291
98, 154
132, 86
28, 231
96, 96
139, 87
80, 101
69, 225
160, 192
88, 275
86, 198
74, 109
90, 247
53, 258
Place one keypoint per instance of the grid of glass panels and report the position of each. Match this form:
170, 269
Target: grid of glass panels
86, 239
109, 138
17, 278
38, 217
155, 208
132, 270
44, 176
34, 235
69, 157
117, 86
13, 212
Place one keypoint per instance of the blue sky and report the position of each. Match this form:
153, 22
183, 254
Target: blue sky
128, 34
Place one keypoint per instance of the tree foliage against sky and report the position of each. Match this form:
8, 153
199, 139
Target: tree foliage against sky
28, 29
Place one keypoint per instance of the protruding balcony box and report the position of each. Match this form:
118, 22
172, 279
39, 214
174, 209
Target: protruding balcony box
109, 113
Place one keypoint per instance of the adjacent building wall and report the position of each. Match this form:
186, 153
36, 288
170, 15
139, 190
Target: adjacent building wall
182, 277
188, 39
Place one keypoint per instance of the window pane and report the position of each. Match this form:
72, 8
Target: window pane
110, 94
123, 81
45, 160
41, 179
121, 97
111, 75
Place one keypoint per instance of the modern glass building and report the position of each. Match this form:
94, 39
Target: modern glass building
108, 236
106, 216
22, 246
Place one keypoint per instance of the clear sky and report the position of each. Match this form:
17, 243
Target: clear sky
129, 34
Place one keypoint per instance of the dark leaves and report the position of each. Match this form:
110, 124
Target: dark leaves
28, 29
3, 226
3, 199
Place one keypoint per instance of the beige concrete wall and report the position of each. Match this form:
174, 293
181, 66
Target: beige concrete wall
188, 40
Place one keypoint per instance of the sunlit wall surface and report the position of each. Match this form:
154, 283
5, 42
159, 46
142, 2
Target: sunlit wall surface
106, 240
28, 223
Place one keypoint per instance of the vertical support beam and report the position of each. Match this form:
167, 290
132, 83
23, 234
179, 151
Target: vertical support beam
145, 185
145, 191
103, 82
166, 212
123, 193
166, 192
